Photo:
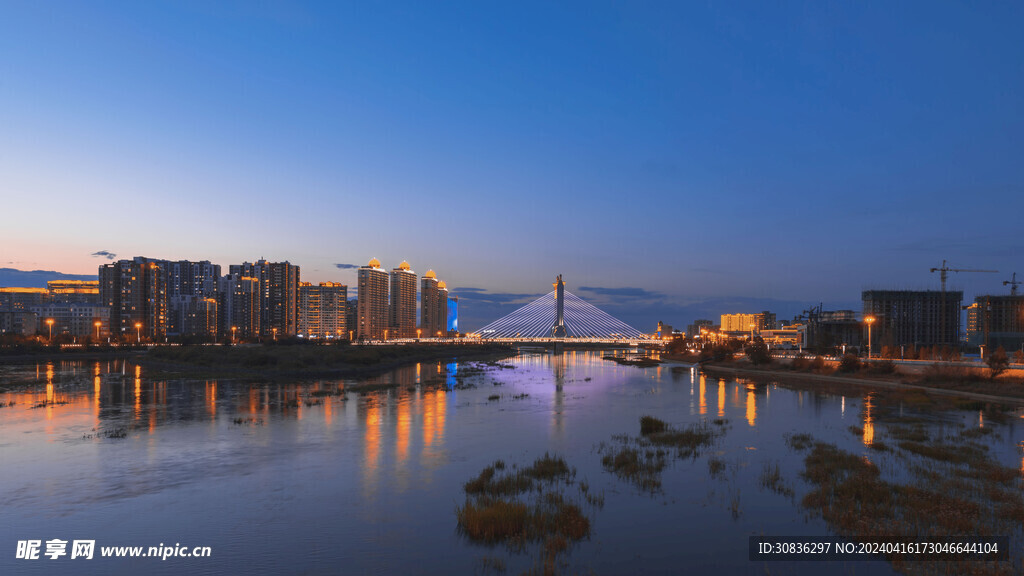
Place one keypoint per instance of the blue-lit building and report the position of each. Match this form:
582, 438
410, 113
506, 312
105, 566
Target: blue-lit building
453, 316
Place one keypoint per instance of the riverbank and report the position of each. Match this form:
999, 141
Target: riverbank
274, 362
982, 391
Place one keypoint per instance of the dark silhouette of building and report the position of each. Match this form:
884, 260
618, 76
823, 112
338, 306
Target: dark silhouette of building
913, 318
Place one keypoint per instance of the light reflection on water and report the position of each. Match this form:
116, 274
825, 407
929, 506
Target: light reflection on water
276, 479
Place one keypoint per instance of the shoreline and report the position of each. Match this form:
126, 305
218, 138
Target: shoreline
865, 382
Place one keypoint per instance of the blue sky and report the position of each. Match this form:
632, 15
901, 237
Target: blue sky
780, 152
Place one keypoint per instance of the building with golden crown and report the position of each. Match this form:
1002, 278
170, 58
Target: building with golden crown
372, 307
433, 306
402, 309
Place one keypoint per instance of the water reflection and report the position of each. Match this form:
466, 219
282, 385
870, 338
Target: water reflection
751, 406
869, 422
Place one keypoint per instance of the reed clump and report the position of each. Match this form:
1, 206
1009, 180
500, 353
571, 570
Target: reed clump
520, 507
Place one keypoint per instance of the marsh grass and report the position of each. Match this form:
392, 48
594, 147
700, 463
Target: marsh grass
955, 491
641, 460
527, 506
799, 442
771, 478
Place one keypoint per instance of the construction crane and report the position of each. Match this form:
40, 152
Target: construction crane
945, 269
1013, 283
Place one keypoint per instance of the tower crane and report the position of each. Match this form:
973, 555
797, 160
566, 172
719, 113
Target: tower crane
945, 269
1013, 283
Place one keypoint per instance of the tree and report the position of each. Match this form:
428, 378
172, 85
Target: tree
1018, 357
849, 363
757, 352
997, 362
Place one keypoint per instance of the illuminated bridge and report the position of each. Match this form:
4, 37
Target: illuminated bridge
560, 316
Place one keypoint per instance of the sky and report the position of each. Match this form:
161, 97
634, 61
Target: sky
672, 160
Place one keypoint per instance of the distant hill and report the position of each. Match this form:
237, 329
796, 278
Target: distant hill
12, 277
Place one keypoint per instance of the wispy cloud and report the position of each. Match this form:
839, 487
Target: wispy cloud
626, 292
105, 254
346, 266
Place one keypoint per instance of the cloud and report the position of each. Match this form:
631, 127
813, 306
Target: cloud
105, 254
346, 266
622, 292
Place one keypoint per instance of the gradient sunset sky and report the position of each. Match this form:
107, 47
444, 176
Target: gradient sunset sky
658, 155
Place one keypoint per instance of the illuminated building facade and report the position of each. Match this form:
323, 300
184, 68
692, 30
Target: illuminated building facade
441, 321
77, 291
373, 301
429, 305
323, 310
136, 293
193, 316
279, 293
402, 308
747, 322
453, 315
239, 306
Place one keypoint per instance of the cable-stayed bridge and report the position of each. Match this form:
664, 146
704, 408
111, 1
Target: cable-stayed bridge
560, 316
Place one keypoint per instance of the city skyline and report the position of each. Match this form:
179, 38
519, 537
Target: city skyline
668, 159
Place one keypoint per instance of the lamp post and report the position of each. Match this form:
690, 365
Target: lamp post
233, 328
97, 324
869, 320
49, 324
385, 334
418, 331
138, 332
275, 334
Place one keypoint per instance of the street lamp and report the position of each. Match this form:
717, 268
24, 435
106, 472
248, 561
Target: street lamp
275, 334
870, 320
97, 324
138, 332
49, 324
418, 331
385, 334
233, 328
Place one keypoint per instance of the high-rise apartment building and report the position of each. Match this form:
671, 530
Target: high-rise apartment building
433, 306
913, 318
239, 306
995, 321
136, 293
429, 304
323, 310
441, 322
373, 301
279, 293
402, 309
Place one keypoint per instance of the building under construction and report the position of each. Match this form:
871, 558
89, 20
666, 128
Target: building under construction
994, 321
913, 317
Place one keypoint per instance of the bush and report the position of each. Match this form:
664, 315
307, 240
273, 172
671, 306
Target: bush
818, 364
757, 352
849, 363
997, 362
883, 367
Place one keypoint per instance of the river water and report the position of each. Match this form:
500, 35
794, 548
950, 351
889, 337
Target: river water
278, 479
